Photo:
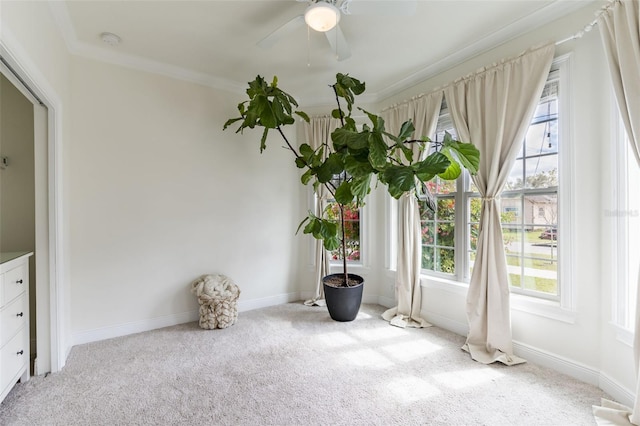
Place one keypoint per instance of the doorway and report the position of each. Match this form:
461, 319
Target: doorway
46, 297
17, 187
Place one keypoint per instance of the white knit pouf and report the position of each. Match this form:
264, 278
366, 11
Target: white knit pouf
218, 298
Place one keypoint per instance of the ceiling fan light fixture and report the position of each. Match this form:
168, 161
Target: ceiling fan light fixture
322, 16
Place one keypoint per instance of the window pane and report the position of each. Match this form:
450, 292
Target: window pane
514, 267
515, 176
425, 212
446, 186
512, 239
542, 138
445, 234
475, 205
541, 211
427, 258
446, 209
511, 210
427, 233
542, 172
445, 261
473, 236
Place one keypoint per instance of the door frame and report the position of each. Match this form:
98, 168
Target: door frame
53, 347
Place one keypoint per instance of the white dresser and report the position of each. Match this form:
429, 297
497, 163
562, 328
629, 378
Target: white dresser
14, 319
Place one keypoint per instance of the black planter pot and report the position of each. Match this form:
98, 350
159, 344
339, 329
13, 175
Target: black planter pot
343, 303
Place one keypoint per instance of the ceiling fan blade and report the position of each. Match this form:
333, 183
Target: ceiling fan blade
379, 7
283, 31
338, 43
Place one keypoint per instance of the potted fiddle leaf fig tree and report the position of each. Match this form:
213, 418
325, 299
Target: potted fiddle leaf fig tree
346, 167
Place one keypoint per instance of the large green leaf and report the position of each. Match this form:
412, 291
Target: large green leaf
331, 166
343, 193
399, 179
328, 229
342, 137
434, 164
453, 171
332, 243
357, 167
303, 114
361, 186
306, 177
377, 151
466, 153
230, 122
406, 131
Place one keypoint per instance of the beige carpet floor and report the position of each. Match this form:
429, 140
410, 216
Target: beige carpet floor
293, 365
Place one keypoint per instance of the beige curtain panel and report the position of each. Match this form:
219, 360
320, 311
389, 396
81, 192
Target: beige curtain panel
492, 109
619, 26
423, 111
317, 132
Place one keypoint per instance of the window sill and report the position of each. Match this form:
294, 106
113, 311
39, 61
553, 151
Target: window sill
541, 307
623, 335
444, 284
531, 305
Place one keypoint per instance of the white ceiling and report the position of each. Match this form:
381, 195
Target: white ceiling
214, 42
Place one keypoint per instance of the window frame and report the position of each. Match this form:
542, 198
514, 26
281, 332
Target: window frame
561, 307
623, 295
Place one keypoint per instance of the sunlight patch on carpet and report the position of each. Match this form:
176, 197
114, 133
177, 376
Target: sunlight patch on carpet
410, 351
336, 339
411, 389
467, 378
368, 358
379, 333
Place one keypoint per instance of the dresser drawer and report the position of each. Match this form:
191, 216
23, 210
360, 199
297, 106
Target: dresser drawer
14, 358
12, 318
16, 281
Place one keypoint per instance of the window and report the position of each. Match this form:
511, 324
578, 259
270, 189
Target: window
529, 210
531, 238
351, 229
438, 227
627, 217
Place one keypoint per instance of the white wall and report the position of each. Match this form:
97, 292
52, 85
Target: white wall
160, 195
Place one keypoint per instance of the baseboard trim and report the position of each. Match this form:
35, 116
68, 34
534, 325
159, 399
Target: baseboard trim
556, 362
119, 330
387, 302
446, 323
250, 305
618, 392
110, 332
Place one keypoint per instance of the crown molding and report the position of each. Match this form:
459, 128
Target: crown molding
503, 35
517, 28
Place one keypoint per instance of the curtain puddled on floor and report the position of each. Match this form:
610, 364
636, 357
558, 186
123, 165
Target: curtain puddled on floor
318, 131
423, 112
619, 26
492, 109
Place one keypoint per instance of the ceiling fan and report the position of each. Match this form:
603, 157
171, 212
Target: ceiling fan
324, 16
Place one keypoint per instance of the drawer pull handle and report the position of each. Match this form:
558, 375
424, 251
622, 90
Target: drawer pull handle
20, 352
19, 282
20, 314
